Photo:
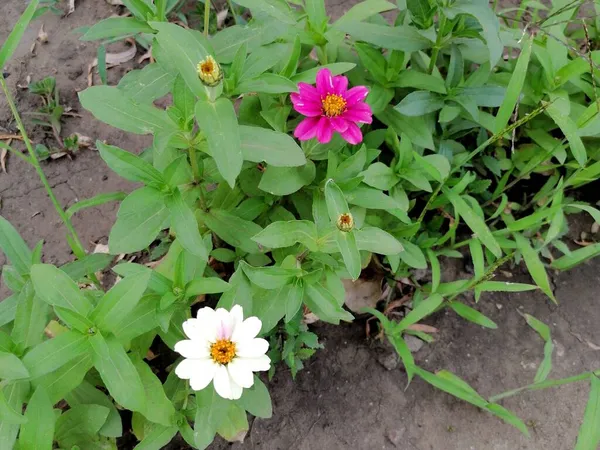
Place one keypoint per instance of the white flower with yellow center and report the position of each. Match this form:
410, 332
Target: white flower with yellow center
223, 348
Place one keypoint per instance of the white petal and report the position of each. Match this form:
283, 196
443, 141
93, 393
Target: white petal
252, 349
224, 323
240, 373
200, 330
236, 391
222, 382
188, 368
247, 330
203, 377
193, 349
258, 364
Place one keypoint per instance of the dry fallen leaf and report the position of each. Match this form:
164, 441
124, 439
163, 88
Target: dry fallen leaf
113, 59
71, 7
422, 327
11, 136
101, 248
42, 35
221, 16
3, 159
362, 294
115, 2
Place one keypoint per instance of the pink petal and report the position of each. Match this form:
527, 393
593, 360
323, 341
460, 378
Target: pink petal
359, 112
356, 94
324, 82
307, 108
352, 135
324, 130
339, 124
309, 92
307, 129
340, 84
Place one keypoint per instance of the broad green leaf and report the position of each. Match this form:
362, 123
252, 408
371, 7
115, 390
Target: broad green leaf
38, 432
419, 103
80, 424
116, 27
278, 10
8, 414
415, 128
589, 432
226, 42
274, 148
287, 180
119, 301
14, 247
336, 201
322, 302
270, 305
422, 310
31, 317
52, 354
269, 277
317, 17
233, 230
233, 423
130, 166
515, 86
62, 381
576, 257
211, 285
310, 75
140, 218
422, 81
11, 367
292, 63
219, 123
285, 234
148, 84
534, 265
185, 225
348, 248
380, 176
475, 222
183, 98
118, 373
378, 241
505, 286
15, 394
472, 315
142, 9
437, 166
89, 264
544, 331
96, 200
87, 394
109, 105
159, 408
256, 400
8, 309
56, 288
157, 437
404, 37
294, 293
16, 34
364, 10
139, 321
412, 255
210, 412
556, 111
436, 271
184, 51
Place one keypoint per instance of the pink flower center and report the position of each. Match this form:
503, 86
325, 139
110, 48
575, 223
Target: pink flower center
333, 105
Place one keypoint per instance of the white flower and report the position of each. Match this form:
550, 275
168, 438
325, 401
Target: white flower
222, 348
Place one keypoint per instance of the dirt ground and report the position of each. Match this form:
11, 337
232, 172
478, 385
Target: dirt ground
353, 394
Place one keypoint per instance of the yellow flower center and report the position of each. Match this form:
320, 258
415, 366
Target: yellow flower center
207, 67
345, 222
333, 105
222, 351
209, 71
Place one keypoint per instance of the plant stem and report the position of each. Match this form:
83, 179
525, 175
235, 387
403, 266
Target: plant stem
194, 163
438, 43
206, 16
33, 159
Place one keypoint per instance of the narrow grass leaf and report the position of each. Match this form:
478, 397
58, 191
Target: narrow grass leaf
534, 265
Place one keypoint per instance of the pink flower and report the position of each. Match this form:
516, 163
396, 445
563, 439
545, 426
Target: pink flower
330, 106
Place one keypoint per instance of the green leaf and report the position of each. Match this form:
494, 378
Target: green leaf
157, 438
364, 10
415, 128
56, 288
14, 247
322, 302
38, 432
515, 86
256, 400
130, 166
556, 111
11, 367
472, 315
185, 226
219, 123
270, 305
139, 321
109, 105
544, 331
278, 10
233, 230
419, 103
119, 301
422, 81
8, 308
97, 200
505, 286
16, 34
285, 234
15, 394
142, 9
116, 27
274, 148
574, 258
475, 222
80, 424
404, 37
269, 277
317, 17
534, 265
159, 408
292, 64
62, 381
404, 352
118, 373
233, 423
347, 246
184, 52
8, 414
54, 353
148, 84
287, 180
89, 264
211, 285
140, 218
378, 241
211, 409
87, 394
412, 255
589, 432
422, 310
31, 317
336, 201
380, 176
309, 76
294, 293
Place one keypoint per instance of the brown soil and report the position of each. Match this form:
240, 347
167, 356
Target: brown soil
345, 398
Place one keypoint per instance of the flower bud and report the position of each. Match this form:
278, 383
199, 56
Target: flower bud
345, 222
209, 71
